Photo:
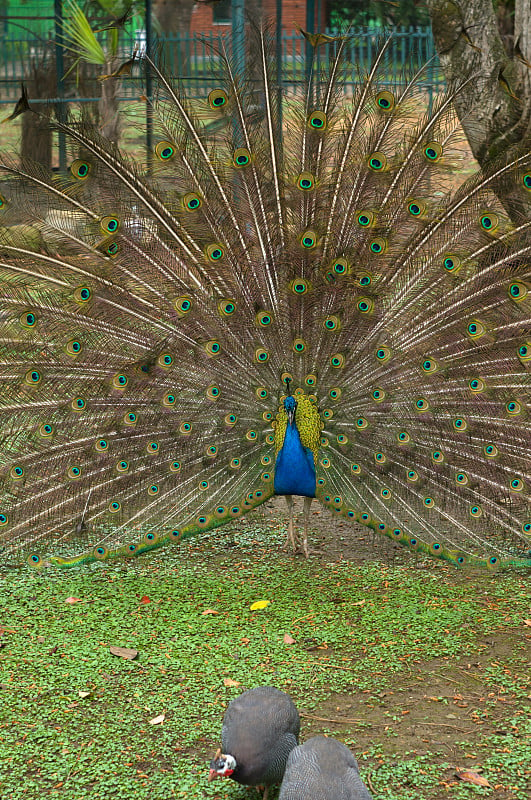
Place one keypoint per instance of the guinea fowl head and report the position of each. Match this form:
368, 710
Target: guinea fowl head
221, 766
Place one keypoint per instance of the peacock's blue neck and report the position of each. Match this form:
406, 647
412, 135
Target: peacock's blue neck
294, 467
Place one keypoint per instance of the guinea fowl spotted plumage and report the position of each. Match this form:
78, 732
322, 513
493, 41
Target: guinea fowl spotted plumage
322, 769
335, 258
260, 729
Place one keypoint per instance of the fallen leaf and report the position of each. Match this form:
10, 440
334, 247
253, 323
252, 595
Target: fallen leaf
472, 777
230, 682
527, 622
72, 600
82, 693
157, 720
359, 603
209, 611
288, 639
145, 600
259, 605
53, 650
123, 652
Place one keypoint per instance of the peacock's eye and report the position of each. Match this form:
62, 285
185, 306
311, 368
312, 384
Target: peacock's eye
164, 150
365, 218
306, 181
385, 100
241, 157
317, 120
192, 201
214, 252
109, 224
309, 240
432, 151
80, 169
377, 162
218, 98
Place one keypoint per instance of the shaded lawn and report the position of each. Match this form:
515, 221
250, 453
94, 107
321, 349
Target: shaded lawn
377, 645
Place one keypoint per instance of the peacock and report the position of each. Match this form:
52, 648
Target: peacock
313, 293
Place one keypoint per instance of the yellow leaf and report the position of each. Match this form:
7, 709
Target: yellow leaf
259, 605
230, 682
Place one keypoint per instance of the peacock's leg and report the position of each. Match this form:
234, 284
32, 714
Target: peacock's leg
307, 507
291, 537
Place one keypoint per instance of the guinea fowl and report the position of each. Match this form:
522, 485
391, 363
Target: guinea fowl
322, 769
260, 729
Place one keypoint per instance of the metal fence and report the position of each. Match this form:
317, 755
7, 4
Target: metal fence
195, 60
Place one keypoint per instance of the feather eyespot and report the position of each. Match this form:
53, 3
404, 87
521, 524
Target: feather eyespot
317, 121
16, 473
192, 201
308, 240
476, 385
28, 319
377, 162
299, 286
337, 361
164, 151
227, 307
82, 294
46, 430
488, 221
385, 100
217, 98
451, 264
306, 181
182, 305
416, 207
241, 157
33, 377
213, 348
432, 151
366, 218
175, 466
80, 169
214, 252
332, 323
264, 319
109, 224
213, 392
517, 291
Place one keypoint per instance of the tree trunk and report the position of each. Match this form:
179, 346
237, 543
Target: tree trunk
36, 141
495, 105
108, 105
174, 18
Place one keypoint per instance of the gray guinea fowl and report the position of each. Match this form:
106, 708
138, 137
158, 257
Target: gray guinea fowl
260, 729
322, 769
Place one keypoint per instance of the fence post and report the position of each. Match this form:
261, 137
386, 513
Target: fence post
149, 89
59, 72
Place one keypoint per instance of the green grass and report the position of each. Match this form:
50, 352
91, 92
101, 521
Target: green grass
358, 628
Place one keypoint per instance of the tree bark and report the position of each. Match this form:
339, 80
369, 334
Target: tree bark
494, 107
36, 141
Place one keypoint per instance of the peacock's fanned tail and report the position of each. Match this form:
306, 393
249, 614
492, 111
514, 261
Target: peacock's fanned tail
148, 321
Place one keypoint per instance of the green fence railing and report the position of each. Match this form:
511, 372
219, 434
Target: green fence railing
195, 60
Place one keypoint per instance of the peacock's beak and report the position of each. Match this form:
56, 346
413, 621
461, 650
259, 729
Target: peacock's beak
291, 416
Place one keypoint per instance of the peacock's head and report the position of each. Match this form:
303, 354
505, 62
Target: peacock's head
221, 766
290, 404
290, 407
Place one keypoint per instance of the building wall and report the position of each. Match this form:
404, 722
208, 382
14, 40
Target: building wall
293, 16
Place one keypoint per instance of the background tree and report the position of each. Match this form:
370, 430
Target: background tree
495, 104
363, 13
